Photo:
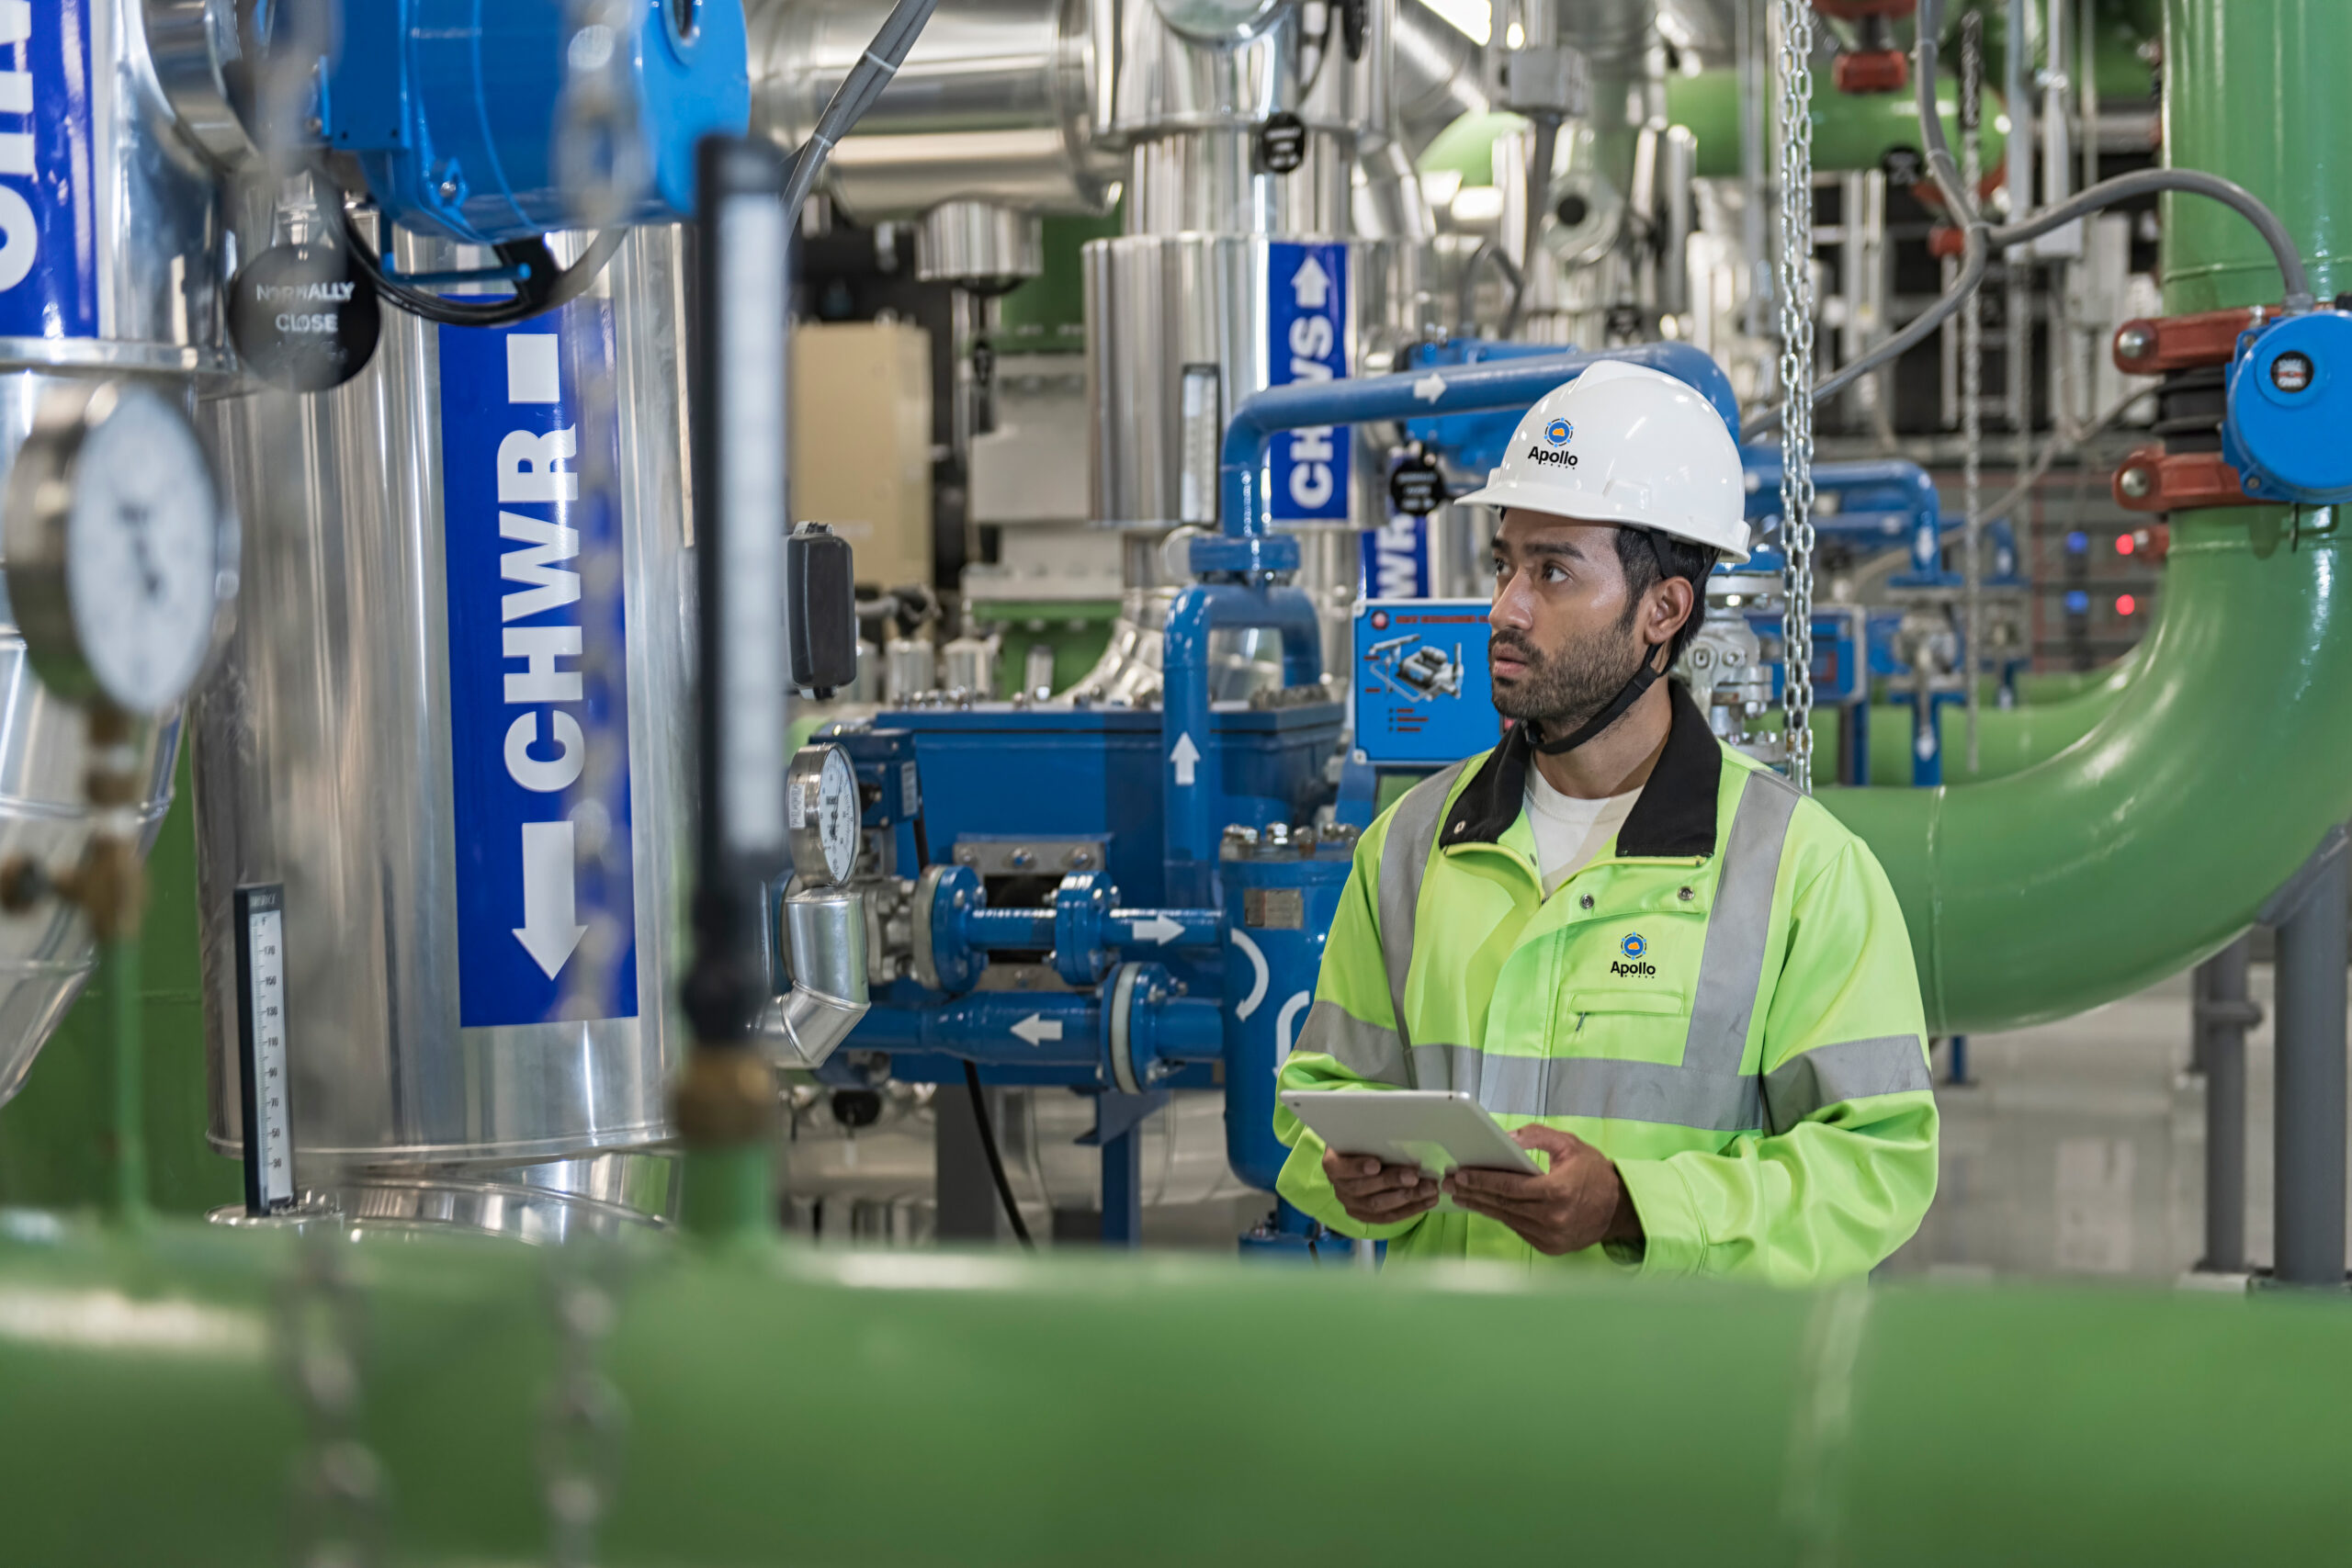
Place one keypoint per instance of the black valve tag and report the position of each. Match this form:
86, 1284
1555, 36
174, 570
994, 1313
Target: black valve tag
303, 317
1282, 143
1414, 487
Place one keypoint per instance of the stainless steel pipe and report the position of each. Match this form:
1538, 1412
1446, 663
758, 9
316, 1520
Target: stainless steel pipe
110, 260
994, 103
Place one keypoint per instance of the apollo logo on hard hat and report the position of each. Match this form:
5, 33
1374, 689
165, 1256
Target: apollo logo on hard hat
1559, 432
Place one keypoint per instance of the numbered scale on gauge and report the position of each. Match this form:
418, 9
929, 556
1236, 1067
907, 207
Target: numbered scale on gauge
261, 1038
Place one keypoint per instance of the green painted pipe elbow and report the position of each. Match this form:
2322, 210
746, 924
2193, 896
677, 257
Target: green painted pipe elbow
2151, 841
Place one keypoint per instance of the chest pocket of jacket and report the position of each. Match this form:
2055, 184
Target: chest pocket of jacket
1621, 1023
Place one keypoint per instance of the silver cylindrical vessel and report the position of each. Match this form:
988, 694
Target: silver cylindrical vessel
910, 665
973, 242
994, 103
1159, 303
462, 986
111, 253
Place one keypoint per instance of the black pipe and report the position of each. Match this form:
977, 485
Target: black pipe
2308, 1113
2222, 1014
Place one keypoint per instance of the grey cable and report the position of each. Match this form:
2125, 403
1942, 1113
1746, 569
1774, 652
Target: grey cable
858, 92
1464, 290
2018, 491
1978, 236
1539, 195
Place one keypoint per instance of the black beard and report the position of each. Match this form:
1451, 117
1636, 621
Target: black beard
1562, 691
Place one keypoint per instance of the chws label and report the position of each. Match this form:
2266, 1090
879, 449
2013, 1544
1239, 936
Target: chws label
1306, 340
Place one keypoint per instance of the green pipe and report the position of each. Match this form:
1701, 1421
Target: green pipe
2008, 741
964, 1411
2150, 842
1850, 130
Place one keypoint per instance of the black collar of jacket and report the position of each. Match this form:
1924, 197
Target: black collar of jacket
1675, 816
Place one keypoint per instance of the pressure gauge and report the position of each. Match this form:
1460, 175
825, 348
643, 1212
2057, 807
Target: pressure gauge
820, 813
120, 553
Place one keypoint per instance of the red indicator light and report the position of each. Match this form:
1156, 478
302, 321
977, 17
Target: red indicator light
2125, 603
2123, 547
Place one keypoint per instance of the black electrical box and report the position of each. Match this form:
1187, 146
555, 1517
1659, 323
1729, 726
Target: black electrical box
820, 609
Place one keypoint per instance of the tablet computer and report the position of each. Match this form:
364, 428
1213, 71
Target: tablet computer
1435, 1129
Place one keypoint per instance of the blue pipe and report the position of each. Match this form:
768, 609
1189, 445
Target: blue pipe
1007, 930
1195, 928
996, 1028
1189, 746
1303, 405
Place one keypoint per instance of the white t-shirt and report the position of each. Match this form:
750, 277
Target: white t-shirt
1570, 833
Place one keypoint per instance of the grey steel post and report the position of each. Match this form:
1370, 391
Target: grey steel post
2222, 1014
2310, 1112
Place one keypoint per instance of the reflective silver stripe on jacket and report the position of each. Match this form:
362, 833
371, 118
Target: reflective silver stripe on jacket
1372, 1052
1404, 860
1625, 1091
1850, 1069
1731, 965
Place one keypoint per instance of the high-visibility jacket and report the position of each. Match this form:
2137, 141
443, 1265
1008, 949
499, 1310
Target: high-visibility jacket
1723, 1003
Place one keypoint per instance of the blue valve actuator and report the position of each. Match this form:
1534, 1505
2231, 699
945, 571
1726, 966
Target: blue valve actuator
2289, 407
454, 107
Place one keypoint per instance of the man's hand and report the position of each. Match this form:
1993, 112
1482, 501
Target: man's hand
1377, 1194
1577, 1202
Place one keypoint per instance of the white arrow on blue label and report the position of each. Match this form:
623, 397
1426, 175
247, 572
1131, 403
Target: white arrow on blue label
1037, 1028
1310, 285
1184, 756
548, 932
1159, 929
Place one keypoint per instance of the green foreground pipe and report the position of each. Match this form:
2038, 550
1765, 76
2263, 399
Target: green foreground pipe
2150, 842
963, 1411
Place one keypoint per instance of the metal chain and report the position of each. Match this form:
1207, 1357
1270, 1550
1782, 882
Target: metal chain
339, 1494
1795, 176
599, 156
603, 177
1972, 388
584, 1418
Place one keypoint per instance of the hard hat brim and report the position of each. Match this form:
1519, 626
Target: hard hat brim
1596, 509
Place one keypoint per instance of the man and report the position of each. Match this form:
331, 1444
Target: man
1685, 986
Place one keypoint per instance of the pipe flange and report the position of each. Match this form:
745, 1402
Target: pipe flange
950, 966
1082, 914
1118, 999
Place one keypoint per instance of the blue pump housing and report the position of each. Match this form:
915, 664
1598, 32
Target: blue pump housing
2289, 403
452, 107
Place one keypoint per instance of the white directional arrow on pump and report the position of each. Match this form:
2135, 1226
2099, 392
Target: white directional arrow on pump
1159, 929
1037, 1028
1184, 756
548, 932
1310, 285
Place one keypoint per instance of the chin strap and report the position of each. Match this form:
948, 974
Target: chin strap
1643, 678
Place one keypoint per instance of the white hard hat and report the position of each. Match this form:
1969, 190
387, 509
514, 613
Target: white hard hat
1628, 444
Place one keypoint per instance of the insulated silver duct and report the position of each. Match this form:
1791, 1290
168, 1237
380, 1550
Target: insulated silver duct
1437, 79
994, 103
463, 985
110, 246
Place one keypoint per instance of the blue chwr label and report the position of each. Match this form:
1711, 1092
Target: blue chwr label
48, 283
538, 692
1306, 340
1396, 559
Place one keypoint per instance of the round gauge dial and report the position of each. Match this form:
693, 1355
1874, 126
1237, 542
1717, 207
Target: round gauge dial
823, 810
119, 551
